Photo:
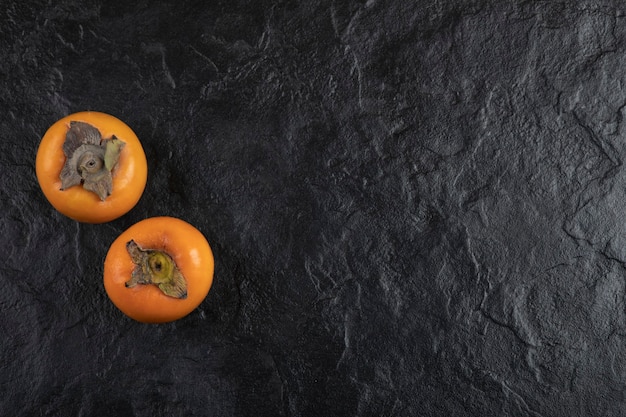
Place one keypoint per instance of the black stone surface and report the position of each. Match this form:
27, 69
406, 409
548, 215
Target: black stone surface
416, 208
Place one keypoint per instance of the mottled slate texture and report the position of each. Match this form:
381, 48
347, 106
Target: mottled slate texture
416, 208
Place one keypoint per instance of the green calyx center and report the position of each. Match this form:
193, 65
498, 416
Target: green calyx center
89, 159
157, 268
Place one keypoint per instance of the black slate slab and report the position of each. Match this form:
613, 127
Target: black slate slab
416, 208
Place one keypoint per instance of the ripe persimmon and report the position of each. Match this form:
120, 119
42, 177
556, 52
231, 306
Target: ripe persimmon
91, 167
158, 270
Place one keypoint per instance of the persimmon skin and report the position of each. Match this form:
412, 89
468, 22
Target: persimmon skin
147, 303
129, 175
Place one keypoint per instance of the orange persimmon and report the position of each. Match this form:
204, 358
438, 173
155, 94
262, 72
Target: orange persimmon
158, 270
103, 163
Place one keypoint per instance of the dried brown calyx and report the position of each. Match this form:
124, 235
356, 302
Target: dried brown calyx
89, 159
158, 268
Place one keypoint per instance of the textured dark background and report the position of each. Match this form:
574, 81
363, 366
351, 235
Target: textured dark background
416, 208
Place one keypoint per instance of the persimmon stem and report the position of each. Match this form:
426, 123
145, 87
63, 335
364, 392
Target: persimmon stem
158, 268
89, 159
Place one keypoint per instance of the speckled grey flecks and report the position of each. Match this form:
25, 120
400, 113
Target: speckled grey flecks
416, 208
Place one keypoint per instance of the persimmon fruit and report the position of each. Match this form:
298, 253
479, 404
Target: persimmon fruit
159, 270
91, 167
